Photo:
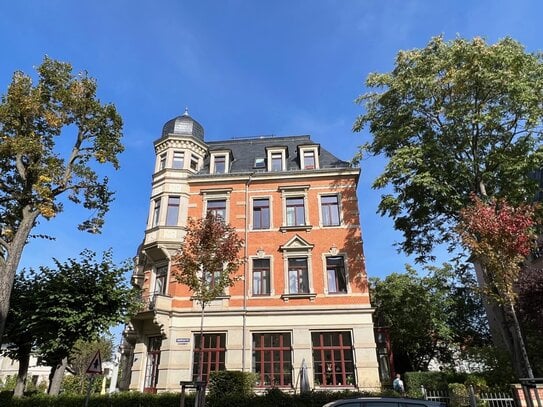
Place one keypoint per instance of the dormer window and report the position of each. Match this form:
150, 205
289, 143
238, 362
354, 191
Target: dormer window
277, 158
219, 162
309, 156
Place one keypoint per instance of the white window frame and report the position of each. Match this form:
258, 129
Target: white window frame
156, 212
339, 206
279, 150
295, 192
269, 198
183, 159
261, 256
217, 195
214, 156
325, 256
315, 150
168, 210
162, 161
298, 254
158, 266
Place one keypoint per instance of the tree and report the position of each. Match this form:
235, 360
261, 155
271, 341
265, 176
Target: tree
500, 237
20, 337
452, 316
34, 171
79, 299
80, 356
453, 119
207, 262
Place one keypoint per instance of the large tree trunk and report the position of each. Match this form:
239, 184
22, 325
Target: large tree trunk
9, 264
505, 330
57, 373
24, 361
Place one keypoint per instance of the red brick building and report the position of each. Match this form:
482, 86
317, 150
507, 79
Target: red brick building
303, 297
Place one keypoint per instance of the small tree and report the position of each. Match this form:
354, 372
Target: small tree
37, 168
207, 262
79, 299
501, 236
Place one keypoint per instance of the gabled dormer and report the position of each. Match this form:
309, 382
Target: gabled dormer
308, 155
219, 161
277, 158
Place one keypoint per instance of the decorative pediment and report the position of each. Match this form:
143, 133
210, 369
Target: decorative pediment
296, 243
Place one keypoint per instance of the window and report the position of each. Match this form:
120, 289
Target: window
330, 210
178, 160
272, 359
209, 357
194, 163
160, 280
260, 162
277, 161
261, 276
333, 358
153, 361
308, 160
156, 212
162, 161
298, 279
217, 208
335, 273
212, 277
172, 212
219, 163
295, 211
261, 213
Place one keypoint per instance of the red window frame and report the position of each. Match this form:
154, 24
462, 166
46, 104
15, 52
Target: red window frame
153, 362
272, 356
333, 358
211, 358
335, 270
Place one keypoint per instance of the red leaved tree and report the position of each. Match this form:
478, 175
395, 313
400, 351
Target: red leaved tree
500, 237
207, 263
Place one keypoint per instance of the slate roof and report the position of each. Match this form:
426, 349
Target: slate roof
245, 151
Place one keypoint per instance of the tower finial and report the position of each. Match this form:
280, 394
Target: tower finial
186, 111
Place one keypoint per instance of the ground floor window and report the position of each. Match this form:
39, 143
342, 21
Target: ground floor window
272, 359
333, 358
153, 361
211, 357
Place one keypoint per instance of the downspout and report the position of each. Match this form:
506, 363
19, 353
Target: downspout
245, 256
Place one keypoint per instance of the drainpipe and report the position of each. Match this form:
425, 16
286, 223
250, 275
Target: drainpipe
245, 255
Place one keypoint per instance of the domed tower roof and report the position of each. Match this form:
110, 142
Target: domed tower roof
183, 125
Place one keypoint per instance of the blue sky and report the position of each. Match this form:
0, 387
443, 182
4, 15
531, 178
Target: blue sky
243, 68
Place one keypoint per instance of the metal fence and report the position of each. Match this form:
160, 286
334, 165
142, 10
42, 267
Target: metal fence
490, 399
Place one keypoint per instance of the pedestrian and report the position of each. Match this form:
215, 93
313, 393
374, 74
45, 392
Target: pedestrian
397, 384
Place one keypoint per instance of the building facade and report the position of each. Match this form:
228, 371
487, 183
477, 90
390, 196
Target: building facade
302, 299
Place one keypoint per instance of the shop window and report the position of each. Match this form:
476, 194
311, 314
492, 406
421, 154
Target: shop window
272, 361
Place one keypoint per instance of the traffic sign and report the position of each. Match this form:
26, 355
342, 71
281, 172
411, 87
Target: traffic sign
95, 365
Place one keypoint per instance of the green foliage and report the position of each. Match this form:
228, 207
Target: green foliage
229, 382
453, 118
9, 383
54, 308
458, 395
208, 258
79, 359
454, 315
430, 381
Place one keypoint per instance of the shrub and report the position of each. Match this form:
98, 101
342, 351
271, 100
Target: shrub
430, 381
231, 383
458, 395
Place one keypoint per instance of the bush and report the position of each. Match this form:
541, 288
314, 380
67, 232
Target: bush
430, 381
231, 383
458, 395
